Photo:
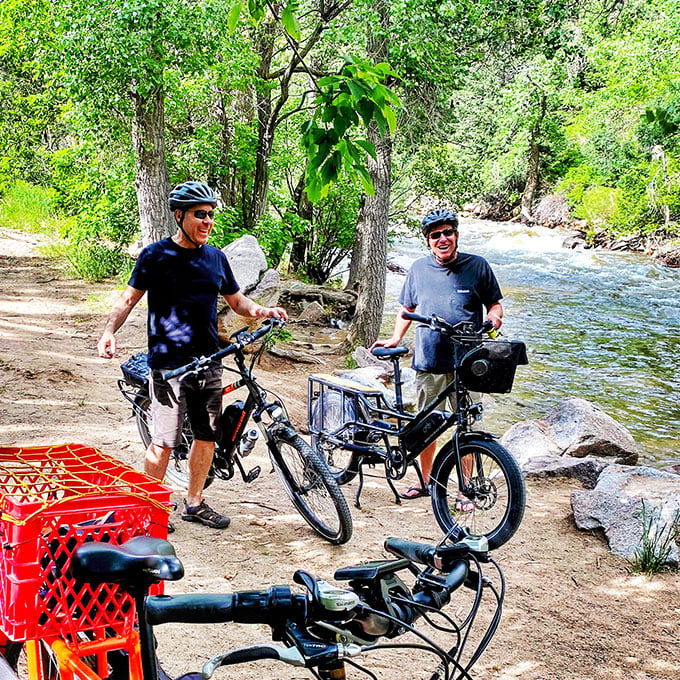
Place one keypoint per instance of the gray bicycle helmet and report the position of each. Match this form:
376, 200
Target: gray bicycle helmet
436, 218
185, 195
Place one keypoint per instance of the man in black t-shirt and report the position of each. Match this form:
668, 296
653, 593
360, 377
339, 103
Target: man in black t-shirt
456, 287
183, 277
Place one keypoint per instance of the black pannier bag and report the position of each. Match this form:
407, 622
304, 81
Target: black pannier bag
490, 367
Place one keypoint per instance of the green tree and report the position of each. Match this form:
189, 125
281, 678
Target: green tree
116, 56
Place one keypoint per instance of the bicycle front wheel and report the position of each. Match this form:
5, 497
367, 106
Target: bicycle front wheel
493, 505
311, 487
177, 472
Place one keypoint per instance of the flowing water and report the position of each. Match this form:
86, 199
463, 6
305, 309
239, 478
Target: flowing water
600, 325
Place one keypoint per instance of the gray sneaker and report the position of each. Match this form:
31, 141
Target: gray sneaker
204, 514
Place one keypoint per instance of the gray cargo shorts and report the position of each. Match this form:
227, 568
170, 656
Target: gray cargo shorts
199, 397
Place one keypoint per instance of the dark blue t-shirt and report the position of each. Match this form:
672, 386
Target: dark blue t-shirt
456, 292
182, 286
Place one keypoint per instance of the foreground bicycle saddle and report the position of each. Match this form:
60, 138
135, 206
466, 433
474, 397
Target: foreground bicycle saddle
325, 626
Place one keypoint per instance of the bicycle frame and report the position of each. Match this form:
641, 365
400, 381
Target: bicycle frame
397, 457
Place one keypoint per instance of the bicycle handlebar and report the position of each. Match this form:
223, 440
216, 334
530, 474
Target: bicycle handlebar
325, 624
462, 330
243, 338
253, 606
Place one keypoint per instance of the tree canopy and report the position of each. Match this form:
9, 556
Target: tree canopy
282, 107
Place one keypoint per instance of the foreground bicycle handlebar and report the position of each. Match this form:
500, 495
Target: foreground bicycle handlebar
321, 628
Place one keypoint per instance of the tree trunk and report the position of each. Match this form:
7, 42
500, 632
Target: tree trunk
264, 46
305, 210
372, 223
534, 166
152, 182
357, 257
372, 226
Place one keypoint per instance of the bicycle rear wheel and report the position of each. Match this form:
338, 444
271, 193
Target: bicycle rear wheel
178, 467
494, 505
15, 662
329, 415
311, 487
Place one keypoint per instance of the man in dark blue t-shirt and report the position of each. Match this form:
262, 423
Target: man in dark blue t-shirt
455, 286
183, 277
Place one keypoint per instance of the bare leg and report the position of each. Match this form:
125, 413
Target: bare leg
156, 460
199, 465
426, 458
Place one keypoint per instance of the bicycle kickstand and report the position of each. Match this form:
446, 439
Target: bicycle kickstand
357, 502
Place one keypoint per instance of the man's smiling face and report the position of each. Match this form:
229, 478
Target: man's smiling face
198, 223
443, 240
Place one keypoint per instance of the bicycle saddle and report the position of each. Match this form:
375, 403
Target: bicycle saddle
141, 560
389, 352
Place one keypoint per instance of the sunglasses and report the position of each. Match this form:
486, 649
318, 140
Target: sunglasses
434, 235
202, 214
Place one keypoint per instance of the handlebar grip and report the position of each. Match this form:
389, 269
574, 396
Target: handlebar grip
252, 606
177, 371
198, 608
412, 316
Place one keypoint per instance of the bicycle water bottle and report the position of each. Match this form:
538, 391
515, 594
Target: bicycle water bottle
247, 442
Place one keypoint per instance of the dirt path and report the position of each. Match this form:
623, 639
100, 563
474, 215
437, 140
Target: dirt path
572, 610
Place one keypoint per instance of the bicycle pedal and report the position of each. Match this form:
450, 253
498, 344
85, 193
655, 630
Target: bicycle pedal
253, 474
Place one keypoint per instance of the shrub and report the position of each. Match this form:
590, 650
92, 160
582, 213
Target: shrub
658, 538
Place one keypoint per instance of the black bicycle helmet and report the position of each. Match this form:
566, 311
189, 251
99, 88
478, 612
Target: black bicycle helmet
185, 195
437, 217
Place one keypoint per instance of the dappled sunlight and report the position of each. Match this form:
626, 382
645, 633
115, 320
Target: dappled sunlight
639, 586
518, 670
93, 359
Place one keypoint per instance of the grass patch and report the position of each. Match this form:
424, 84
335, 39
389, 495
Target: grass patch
658, 539
30, 208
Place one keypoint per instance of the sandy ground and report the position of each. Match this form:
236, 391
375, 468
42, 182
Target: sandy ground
572, 610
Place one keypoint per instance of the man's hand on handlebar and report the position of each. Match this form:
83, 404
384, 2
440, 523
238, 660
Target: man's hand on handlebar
272, 313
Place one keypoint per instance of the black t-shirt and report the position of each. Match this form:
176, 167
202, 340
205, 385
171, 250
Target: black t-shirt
182, 286
455, 292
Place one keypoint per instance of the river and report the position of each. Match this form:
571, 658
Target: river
600, 325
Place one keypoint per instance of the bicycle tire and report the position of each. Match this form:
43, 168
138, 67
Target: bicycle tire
14, 653
10, 653
311, 487
177, 471
330, 414
497, 507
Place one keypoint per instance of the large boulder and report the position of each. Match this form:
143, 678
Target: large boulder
581, 428
615, 506
575, 429
552, 211
248, 263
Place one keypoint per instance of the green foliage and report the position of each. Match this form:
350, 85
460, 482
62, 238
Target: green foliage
95, 260
30, 208
356, 96
599, 204
658, 539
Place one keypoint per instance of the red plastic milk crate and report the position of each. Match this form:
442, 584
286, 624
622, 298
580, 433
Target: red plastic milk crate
53, 499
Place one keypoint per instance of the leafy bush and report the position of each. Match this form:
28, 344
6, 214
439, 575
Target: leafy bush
599, 204
95, 260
